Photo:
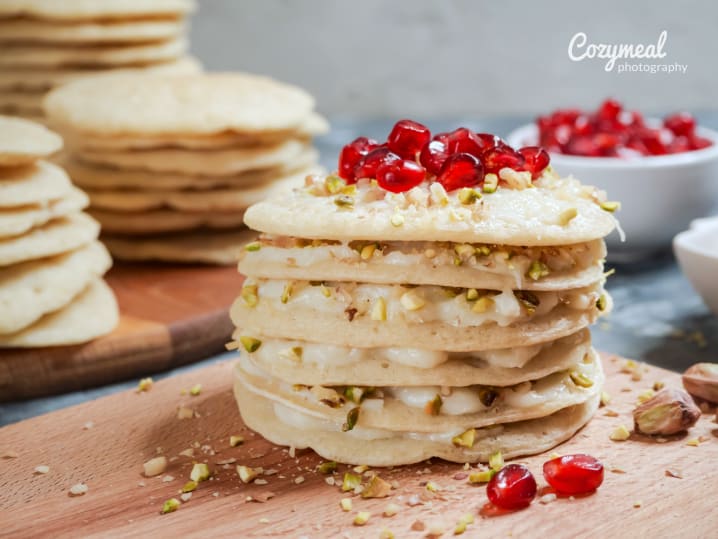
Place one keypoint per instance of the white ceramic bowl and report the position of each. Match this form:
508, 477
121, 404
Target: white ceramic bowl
697, 253
659, 195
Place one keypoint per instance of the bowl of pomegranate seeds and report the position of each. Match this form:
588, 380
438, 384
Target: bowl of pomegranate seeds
664, 171
697, 253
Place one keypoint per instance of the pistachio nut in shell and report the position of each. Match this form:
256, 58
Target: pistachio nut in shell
669, 411
701, 380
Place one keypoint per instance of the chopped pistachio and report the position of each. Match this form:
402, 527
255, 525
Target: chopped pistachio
248, 474
602, 303
378, 310
352, 418
432, 487
657, 385
580, 379
391, 510
357, 394
367, 251
349, 190
605, 398
346, 504
646, 395
334, 184
491, 183
487, 396
397, 219
537, 270
361, 518
472, 294
528, 299
566, 216
693, 442
433, 407
496, 461
195, 390
483, 304
670, 411
253, 246
144, 385
344, 201
327, 467
463, 522
234, 441
250, 343
155, 466
200, 472
620, 434
327, 395
350, 481
610, 206
464, 250
386, 534
250, 295
468, 195
483, 250
189, 486
481, 476
326, 292
170, 506
412, 301
376, 488
465, 439
287, 292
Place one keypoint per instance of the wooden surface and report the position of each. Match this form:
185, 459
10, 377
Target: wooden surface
129, 428
170, 316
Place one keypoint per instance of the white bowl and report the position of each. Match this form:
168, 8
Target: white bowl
697, 253
659, 195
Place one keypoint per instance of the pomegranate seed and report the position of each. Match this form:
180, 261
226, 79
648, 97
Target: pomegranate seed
651, 139
352, 153
536, 160
681, 124
606, 143
407, 138
582, 146
698, 143
463, 140
609, 109
499, 157
400, 176
574, 474
461, 170
566, 116
680, 144
368, 166
433, 155
513, 487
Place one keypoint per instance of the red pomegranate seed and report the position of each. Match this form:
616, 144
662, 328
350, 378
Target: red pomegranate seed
407, 138
680, 144
513, 487
461, 170
352, 153
651, 139
681, 124
582, 146
606, 143
574, 474
368, 165
698, 143
565, 116
400, 176
494, 159
609, 109
463, 140
536, 160
433, 155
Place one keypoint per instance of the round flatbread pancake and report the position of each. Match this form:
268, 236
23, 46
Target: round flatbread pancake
161, 221
34, 184
280, 426
101, 178
45, 79
89, 32
326, 365
187, 105
204, 247
75, 10
16, 221
32, 289
23, 142
56, 237
90, 315
208, 162
100, 55
219, 200
537, 216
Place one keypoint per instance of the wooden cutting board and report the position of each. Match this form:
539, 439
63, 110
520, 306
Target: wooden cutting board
170, 316
637, 498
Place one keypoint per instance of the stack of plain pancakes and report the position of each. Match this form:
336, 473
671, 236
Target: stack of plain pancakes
384, 329
171, 163
51, 264
45, 43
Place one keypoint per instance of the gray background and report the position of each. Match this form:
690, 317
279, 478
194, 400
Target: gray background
438, 58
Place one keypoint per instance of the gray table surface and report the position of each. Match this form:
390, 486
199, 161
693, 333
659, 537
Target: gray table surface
657, 316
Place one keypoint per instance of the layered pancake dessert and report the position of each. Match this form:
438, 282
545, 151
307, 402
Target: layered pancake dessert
431, 298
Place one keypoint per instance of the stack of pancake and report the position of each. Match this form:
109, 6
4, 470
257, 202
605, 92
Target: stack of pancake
171, 163
51, 264
383, 329
44, 43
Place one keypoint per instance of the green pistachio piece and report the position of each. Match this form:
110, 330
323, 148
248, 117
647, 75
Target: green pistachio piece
352, 418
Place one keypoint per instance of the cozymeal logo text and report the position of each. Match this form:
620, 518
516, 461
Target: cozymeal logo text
580, 48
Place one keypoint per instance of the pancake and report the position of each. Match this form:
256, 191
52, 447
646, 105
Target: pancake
21, 219
23, 142
33, 184
161, 221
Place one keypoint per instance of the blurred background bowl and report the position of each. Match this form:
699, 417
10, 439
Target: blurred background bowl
697, 253
659, 195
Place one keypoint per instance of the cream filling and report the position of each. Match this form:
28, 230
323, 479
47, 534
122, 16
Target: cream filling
456, 401
419, 304
323, 355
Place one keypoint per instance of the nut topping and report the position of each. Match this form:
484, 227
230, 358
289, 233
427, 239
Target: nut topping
670, 411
